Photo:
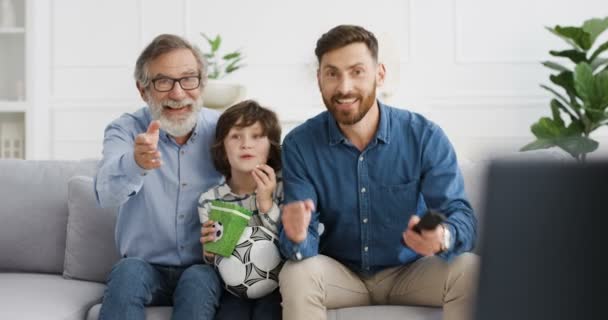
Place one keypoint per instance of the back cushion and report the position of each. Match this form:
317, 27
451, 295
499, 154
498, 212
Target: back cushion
90, 249
34, 212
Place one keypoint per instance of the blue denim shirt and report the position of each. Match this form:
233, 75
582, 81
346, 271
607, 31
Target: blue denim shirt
157, 218
364, 200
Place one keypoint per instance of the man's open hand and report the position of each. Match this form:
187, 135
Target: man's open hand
295, 217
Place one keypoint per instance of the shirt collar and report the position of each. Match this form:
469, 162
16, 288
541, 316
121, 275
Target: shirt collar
223, 190
382, 134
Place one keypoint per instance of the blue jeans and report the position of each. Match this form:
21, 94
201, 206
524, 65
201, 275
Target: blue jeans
264, 308
134, 284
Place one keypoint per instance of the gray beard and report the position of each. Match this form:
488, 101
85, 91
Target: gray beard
176, 127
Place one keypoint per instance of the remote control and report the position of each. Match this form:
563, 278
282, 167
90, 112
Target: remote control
429, 221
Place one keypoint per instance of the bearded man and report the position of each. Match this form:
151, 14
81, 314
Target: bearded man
357, 178
155, 163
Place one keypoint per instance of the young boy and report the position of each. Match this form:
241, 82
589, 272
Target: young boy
247, 152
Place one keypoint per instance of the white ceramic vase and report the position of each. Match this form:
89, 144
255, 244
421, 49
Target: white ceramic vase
220, 95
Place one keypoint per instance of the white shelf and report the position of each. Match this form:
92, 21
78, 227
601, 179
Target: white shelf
15, 30
13, 106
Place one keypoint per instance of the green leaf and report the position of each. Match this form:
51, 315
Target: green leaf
568, 40
215, 45
601, 87
572, 104
559, 105
554, 66
207, 38
545, 128
576, 128
574, 55
598, 62
538, 144
577, 145
564, 80
578, 35
603, 47
584, 83
594, 27
231, 69
232, 66
231, 56
557, 117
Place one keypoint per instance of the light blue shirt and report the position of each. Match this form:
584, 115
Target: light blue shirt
364, 199
157, 218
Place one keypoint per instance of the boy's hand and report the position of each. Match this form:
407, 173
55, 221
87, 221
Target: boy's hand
207, 235
266, 182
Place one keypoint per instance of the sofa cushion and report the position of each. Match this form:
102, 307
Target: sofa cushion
152, 313
39, 296
385, 313
355, 313
90, 250
34, 213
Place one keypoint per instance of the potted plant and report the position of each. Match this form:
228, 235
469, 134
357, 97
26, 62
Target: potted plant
583, 100
220, 94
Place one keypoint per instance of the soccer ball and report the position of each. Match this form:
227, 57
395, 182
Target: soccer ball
252, 271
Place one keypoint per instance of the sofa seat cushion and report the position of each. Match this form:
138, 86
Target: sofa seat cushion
385, 313
152, 313
43, 296
355, 313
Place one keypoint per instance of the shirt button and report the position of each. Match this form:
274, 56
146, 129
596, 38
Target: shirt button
183, 152
365, 248
361, 158
181, 247
362, 190
364, 220
181, 216
184, 184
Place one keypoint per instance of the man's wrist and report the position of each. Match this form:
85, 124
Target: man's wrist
297, 238
446, 239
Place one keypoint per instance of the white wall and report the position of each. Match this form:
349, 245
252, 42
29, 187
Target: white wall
472, 66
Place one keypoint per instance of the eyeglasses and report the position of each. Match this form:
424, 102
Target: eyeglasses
166, 84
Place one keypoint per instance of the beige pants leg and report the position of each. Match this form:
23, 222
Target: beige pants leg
311, 286
430, 281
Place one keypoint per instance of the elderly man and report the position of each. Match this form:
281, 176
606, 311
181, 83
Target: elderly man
357, 179
155, 163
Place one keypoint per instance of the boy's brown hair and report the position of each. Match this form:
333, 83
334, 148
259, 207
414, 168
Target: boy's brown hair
241, 115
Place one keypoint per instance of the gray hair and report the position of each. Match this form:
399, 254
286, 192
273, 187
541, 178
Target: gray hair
162, 44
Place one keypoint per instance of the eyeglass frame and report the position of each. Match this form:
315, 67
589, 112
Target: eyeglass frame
178, 80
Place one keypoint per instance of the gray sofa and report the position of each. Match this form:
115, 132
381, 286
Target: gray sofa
57, 246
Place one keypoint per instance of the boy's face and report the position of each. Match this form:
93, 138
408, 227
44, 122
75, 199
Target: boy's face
246, 148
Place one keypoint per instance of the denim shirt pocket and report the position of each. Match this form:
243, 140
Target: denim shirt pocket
396, 203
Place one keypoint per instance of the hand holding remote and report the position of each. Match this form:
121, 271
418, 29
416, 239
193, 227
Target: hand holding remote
429, 221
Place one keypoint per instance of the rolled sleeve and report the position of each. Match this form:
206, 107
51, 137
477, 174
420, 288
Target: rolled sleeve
443, 190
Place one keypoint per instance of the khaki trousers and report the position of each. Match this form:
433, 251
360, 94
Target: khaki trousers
311, 286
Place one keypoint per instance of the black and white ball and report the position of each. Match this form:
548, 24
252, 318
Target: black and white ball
252, 271
219, 233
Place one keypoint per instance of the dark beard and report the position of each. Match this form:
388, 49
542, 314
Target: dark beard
365, 104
